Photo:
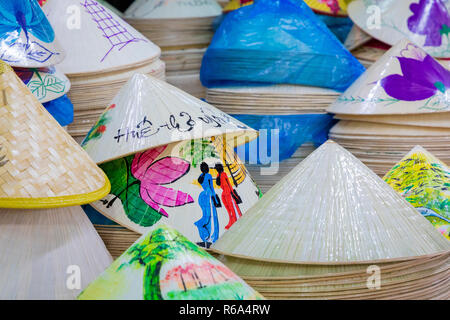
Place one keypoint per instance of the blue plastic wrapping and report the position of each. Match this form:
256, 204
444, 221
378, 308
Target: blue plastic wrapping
96, 217
340, 26
293, 131
277, 41
61, 109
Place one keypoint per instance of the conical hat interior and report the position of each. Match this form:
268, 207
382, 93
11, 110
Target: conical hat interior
44, 252
423, 181
405, 80
331, 209
147, 113
46, 84
423, 22
99, 41
164, 265
42, 166
172, 9
33, 47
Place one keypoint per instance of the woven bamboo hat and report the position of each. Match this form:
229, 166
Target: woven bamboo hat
423, 180
405, 80
46, 84
331, 209
97, 39
44, 253
172, 9
425, 22
160, 141
164, 265
26, 37
42, 166
433, 119
336, 7
148, 113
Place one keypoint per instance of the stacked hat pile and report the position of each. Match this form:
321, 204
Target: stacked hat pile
164, 265
103, 51
170, 159
33, 50
332, 229
423, 180
46, 240
183, 31
424, 22
400, 101
276, 80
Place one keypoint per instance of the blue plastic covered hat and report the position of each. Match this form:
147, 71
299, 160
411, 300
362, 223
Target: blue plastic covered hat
277, 41
61, 109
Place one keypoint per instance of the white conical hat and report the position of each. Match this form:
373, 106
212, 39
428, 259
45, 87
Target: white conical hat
164, 265
425, 22
404, 80
26, 38
423, 180
41, 166
96, 39
147, 113
46, 84
43, 253
331, 209
172, 9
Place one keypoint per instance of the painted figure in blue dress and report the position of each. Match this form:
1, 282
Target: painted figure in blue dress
208, 202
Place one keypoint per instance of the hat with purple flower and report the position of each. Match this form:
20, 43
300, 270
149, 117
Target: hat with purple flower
425, 22
406, 80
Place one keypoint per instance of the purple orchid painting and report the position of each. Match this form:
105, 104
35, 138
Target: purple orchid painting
422, 77
430, 18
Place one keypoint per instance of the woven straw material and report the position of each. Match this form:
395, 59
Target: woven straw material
164, 265
331, 209
37, 247
45, 167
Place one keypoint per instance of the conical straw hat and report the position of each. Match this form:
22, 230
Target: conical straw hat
425, 22
404, 81
26, 37
43, 166
46, 84
164, 265
424, 181
172, 9
147, 113
44, 252
331, 209
334, 7
99, 41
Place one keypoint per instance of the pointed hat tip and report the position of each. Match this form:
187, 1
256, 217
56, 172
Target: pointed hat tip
4, 67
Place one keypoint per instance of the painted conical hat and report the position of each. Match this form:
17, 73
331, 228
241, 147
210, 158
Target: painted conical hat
334, 7
46, 84
42, 165
425, 22
404, 80
164, 265
172, 9
424, 181
26, 37
147, 113
96, 39
49, 253
331, 209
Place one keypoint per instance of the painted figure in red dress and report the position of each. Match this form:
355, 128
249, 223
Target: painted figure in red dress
227, 198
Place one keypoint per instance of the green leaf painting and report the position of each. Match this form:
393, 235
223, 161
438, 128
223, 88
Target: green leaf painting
40, 88
198, 150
